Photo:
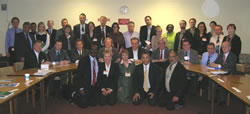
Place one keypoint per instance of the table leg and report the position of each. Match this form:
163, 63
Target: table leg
42, 100
15, 103
27, 96
209, 90
212, 98
33, 97
11, 106
247, 109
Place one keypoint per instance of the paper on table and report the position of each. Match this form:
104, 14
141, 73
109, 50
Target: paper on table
7, 80
236, 89
218, 72
248, 97
9, 85
220, 80
13, 90
43, 72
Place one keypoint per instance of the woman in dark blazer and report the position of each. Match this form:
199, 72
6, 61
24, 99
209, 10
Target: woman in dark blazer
67, 36
107, 79
90, 37
203, 38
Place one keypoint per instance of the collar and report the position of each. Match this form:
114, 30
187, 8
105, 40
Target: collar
128, 62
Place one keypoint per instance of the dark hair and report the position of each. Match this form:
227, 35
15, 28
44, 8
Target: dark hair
15, 18
68, 26
82, 14
64, 20
92, 24
231, 25
26, 23
211, 44
186, 40
192, 19
205, 28
213, 22
131, 22
172, 51
134, 38
59, 41
219, 26
148, 17
184, 22
33, 23
169, 26
145, 52
115, 23
79, 40
37, 41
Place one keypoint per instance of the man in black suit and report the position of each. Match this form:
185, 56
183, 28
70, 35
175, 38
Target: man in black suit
23, 42
60, 32
180, 36
135, 51
36, 57
147, 31
85, 83
33, 28
81, 29
161, 53
102, 31
195, 33
79, 52
58, 55
227, 61
146, 81
174, 83
52, 33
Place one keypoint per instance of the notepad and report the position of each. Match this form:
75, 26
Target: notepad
7, 80
9, 85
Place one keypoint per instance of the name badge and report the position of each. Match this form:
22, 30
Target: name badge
105, 72
95, 39
186, 58
204, 39
12, 49
44, 66
127, 74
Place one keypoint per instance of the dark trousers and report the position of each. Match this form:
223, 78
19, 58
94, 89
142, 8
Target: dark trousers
144, 96
12, 53
109, 99
165, 100
90, 98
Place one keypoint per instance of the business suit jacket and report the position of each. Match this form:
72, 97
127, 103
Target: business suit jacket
83, 77
230, 63
74, 55
193, 56
154, 79
235, 45
53, 58
52, 38
186, 35
65, 42
195, 38
131, 55
21, 45
77, 29
98, 33
30, 60
111, 80
157, 53
144, 34
178, 80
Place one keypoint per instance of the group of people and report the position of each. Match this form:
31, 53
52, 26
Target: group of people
126, 67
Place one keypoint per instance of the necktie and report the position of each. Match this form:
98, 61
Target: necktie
83, 29
58, 58
161, 54
224, 59
146, 79
69, 45
170, 67
103, 35
94, 74
208, 60
186, 53
218, 40
28, 41
80, 53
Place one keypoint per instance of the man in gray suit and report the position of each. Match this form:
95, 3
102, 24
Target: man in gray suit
188, 56
161, 53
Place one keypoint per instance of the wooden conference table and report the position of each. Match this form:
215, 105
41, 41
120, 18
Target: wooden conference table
241, 82
238, 85
18, 77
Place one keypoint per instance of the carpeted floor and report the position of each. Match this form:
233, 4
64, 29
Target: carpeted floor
57, 105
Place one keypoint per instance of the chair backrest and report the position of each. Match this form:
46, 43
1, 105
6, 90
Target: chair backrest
6, 70
18, 66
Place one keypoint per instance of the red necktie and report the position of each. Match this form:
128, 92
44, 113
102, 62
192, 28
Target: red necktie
224, 59
103, 34
94, 74
161, 54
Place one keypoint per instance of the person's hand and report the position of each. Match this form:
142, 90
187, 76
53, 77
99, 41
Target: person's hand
101, 60
175, 99
104, 92
136, 97
82, 92
120, 89
7, 54
151, 95
213, 65
164, 60
187, 63
137, 62
109, 91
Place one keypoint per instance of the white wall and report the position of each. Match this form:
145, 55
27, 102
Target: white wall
163, 12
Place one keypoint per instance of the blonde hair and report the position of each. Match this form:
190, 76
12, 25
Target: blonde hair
158, 28
108, 52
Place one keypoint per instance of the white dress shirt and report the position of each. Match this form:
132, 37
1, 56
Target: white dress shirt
128, 36
169, 75
135, 54
214, 39
37, 56
107, 69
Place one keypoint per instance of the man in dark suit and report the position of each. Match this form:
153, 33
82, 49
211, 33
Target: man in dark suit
52, 33
60, 31
23, 42
227, 61
36, 57
195, 33
79, 52
180, 36
81, 29
135, 51
58, 55
85, 83
147, 31
174, 83
146, 81
102, 31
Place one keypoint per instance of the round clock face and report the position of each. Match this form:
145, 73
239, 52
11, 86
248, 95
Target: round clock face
124, 9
